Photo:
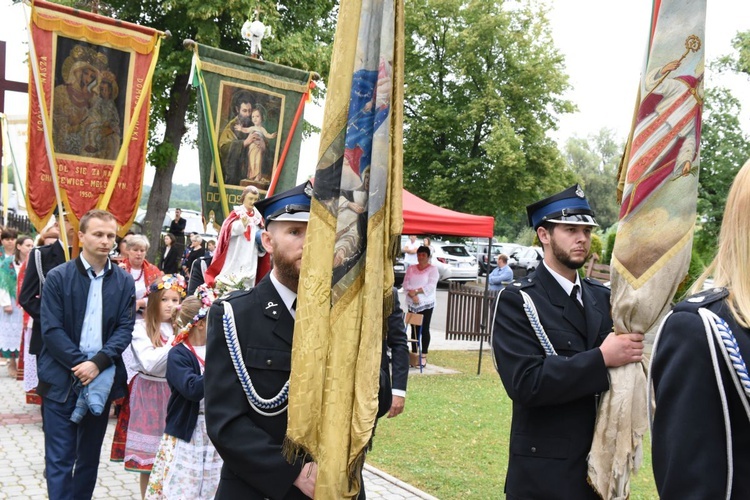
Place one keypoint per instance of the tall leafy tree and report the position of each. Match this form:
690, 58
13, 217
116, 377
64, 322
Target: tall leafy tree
724, 149
483, 86
302, 38
595, 160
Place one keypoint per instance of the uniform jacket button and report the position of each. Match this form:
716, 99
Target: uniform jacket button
570, 343
533, 449
269, 362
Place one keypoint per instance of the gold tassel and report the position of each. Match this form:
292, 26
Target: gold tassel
292, 451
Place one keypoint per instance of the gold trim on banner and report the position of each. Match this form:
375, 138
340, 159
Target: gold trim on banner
254, 77
214, 134
74, 27
134, 119
638, 282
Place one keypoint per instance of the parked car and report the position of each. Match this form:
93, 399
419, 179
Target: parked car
399, 270
454, 262
526, 260
497, 248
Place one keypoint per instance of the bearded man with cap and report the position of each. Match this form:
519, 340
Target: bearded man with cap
553, 343
248, 363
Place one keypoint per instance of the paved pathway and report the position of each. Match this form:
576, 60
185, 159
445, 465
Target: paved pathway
22, 457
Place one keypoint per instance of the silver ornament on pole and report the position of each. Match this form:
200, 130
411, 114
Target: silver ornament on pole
255, 31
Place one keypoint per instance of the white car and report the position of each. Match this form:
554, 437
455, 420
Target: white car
527, 260
454, 261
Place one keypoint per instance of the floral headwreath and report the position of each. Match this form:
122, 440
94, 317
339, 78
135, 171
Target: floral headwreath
207, 297
169, 282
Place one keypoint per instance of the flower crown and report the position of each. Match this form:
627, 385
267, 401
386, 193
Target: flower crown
207, 297
169, 282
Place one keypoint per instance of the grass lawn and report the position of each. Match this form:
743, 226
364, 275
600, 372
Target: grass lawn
452, 439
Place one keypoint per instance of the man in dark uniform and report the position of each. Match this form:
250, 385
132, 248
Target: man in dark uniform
41, 261
392, 394
247, 422
554, 373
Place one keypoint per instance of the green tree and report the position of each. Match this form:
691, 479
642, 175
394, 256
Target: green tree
483, 86
724, 149
302, 37
596, 160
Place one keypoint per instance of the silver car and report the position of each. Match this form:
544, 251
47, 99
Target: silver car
454, 261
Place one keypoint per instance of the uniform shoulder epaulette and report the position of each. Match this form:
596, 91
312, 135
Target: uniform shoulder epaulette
594, 282
234, 295
522, 283
702, 299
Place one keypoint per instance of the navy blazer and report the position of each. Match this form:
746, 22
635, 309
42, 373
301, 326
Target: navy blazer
554, 398
186, 382
63, 310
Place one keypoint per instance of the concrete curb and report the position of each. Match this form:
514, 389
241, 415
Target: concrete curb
397, 482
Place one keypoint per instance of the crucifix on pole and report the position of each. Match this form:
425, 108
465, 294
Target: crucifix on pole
7, 85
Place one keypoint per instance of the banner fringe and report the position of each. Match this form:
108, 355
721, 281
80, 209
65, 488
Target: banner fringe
292, 451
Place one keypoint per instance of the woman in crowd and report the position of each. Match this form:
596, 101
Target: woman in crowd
143, 272
194, 252
26, 361
11, 317
170, 259
8, 236
701, 426
420, 286
187, 465
149, 393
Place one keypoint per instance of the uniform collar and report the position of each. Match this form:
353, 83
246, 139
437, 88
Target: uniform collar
564, 282
287, 296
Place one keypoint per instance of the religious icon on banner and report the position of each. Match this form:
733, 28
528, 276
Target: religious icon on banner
88, 109
247, 124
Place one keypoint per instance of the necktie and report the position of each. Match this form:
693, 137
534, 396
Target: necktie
574, 297
294, 305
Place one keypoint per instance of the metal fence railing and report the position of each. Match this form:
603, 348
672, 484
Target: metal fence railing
20, 223
464, 315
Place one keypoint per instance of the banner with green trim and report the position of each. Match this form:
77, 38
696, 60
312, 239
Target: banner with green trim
249, 134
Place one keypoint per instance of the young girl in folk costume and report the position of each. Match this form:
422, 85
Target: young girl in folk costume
11, 314
152, 340
187, 464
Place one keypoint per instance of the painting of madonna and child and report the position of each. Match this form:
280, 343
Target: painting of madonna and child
248, 124
88, 101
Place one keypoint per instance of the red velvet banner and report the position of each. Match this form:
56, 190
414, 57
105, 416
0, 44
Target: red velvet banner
90, 73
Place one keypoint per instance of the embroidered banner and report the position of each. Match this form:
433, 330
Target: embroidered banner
249, 111
88, 113
352, 237
659, 191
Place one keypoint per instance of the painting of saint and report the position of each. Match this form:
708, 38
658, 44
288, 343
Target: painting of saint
248, 139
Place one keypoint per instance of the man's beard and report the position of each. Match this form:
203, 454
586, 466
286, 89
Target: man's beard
245, 121
564, 258
286, 270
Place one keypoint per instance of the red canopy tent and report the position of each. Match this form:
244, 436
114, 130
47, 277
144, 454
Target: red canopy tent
421, 217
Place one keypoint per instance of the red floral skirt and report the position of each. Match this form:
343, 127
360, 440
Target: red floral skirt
148, 412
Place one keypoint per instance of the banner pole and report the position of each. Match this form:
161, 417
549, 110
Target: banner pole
288, 143
48, 143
